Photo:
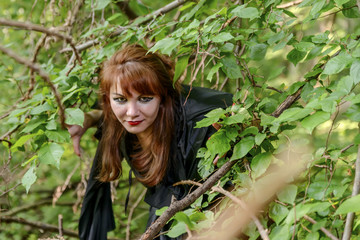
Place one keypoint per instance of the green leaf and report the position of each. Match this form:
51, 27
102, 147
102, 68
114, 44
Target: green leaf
242, 148
180, 66
213, 70
337, 64
74, 116
281, 232
182, 217
278, 212
230, 66
29, 178
316, 7
355, 71
50, 153
258, 51
177, 230
23, 139
246, 12
295, 56
288, 194
166, 45
312, 236
320, 38
341, 2
233, 119
250, 130
293, 114
314, 120
302, 209
222, 37
61, 136
211, 117
259, 138
349, 10
41, 108
101, 4
34, 123
260, 164
218, 143
349, 205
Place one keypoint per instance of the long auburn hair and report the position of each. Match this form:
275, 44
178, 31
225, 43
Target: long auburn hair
149, 74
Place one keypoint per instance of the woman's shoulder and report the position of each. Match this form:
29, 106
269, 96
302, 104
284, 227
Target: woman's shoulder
199, 101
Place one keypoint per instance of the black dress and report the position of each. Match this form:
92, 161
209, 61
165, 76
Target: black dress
97, 215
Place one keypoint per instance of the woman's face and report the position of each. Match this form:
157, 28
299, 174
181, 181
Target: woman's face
136, 112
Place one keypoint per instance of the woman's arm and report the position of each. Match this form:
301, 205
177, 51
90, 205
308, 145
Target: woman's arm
76, 131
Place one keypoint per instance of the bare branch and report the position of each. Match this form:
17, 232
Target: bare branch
43, 75
141, 20
40, 225
290, 4
189, 199
355, 191
38, 28
262, 231
132, 212
324, 230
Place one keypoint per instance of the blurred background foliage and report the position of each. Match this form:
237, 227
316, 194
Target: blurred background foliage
261, 51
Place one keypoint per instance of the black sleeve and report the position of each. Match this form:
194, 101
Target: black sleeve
97, 216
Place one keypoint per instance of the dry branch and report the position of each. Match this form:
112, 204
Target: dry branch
355, 191
34, 27
290, 4
177, 206
33, 206
43, 75
324, 230
132, 212
40, 225
141, 20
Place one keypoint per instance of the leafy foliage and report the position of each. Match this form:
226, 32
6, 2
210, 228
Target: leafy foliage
266, 53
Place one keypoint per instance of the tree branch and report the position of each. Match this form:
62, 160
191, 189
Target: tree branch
257, 222
132, 212
355, 191
141, 20
34, 27
290, 4
43, 75
32, 206
44, 226
177, 206
324, 230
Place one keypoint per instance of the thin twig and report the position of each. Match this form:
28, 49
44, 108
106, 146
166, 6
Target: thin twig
262, 231
355, 191
141, 20
324, 230
43, 75
290, 4
132, 212
40, 225
38, 28
176, 206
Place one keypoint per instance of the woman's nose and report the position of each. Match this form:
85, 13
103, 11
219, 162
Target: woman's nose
132, 110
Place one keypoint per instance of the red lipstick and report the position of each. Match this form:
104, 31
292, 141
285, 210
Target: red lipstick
134, 123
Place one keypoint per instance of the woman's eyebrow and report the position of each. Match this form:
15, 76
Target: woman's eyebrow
114, 93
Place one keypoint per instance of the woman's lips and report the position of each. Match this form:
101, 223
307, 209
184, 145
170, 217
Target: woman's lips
134, 123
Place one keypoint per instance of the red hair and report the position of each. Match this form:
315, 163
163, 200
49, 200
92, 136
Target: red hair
149, 74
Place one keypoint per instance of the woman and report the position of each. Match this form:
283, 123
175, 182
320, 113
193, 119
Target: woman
149, 121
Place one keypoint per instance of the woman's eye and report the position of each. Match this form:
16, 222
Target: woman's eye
145, 99
119, 100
